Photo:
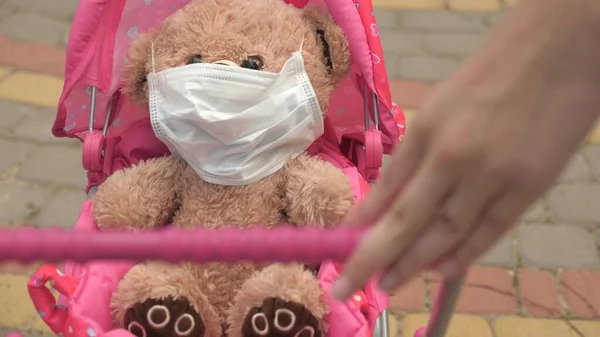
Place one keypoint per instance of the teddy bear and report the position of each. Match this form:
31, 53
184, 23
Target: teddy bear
252, 39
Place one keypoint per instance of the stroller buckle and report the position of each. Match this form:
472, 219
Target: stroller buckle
93, 144
365, 150
92, 157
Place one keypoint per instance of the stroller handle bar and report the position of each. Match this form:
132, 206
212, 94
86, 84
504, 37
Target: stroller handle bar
281, 244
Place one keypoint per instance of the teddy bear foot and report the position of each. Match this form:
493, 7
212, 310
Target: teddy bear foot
279, 318
167, 317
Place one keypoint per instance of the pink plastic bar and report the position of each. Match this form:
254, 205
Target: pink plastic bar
281, 244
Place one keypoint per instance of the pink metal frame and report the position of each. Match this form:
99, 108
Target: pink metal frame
283, 244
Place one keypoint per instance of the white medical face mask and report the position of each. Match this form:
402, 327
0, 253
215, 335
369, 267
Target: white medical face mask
235, 126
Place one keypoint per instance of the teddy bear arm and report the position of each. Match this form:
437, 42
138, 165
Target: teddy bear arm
316, 192
140, 197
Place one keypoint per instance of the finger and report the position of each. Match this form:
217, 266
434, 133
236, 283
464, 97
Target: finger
458, 218
398, 170
498, 220
397, 228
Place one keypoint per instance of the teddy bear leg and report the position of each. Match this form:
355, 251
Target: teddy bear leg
161, 300
280, 300
317, 193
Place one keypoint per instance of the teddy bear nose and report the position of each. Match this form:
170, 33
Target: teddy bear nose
226, 63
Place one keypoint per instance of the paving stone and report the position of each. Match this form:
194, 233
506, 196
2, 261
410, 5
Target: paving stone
536, 327
16, 268
3, 72
386, 18
63, 9
474, 5
592, 154
33, 27
5, 332
25, 56
18, 201
393, 325
539, 293
456, 44
13, 153
411, 4
11, 114
401, 43
494, 18
576, 203
593, 137
577, 170
65, 37
564, 246
502, 254
16, 309
17, 87
409, 115
495, 285
4, 12
55, 165
460, 326
537, 213
38, 127
426, 68
511, 3
410, 297
442, 21
62, 210
392, 64
581, 292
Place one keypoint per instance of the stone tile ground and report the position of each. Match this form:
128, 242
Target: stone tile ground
427, 46
547, 267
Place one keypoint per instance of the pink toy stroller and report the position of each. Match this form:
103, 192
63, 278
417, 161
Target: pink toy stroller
361, 126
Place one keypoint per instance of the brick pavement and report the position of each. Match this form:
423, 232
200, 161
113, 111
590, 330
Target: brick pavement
541, 280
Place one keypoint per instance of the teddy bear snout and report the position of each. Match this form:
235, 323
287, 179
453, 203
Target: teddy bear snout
227, 63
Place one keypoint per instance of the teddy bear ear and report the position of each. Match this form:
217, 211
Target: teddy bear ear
138, 66
336, 49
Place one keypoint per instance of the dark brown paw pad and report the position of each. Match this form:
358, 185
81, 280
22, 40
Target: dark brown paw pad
279, 318
164, 318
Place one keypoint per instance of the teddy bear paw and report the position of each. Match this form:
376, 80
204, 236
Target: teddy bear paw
166, 317
279, 318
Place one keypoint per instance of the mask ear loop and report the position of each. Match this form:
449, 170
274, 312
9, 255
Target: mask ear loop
152, 57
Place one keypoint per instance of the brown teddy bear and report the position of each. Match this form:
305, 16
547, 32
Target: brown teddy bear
186, 299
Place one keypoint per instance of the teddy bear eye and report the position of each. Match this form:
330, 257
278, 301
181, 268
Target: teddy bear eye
195, 59
252, 62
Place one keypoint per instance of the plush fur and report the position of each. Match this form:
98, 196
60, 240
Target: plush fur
216, 299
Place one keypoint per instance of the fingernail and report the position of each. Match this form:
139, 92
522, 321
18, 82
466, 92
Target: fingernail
389, 282
342, 289
447, 269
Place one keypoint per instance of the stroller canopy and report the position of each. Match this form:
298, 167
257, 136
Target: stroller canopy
103, 31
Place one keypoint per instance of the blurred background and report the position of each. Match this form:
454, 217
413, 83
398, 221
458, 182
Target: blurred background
542, 280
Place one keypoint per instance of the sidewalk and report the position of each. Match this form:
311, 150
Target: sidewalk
542, 280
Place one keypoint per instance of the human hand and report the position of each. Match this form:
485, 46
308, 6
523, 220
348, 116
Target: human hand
484, 145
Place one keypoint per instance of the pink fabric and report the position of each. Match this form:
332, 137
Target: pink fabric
83, 307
